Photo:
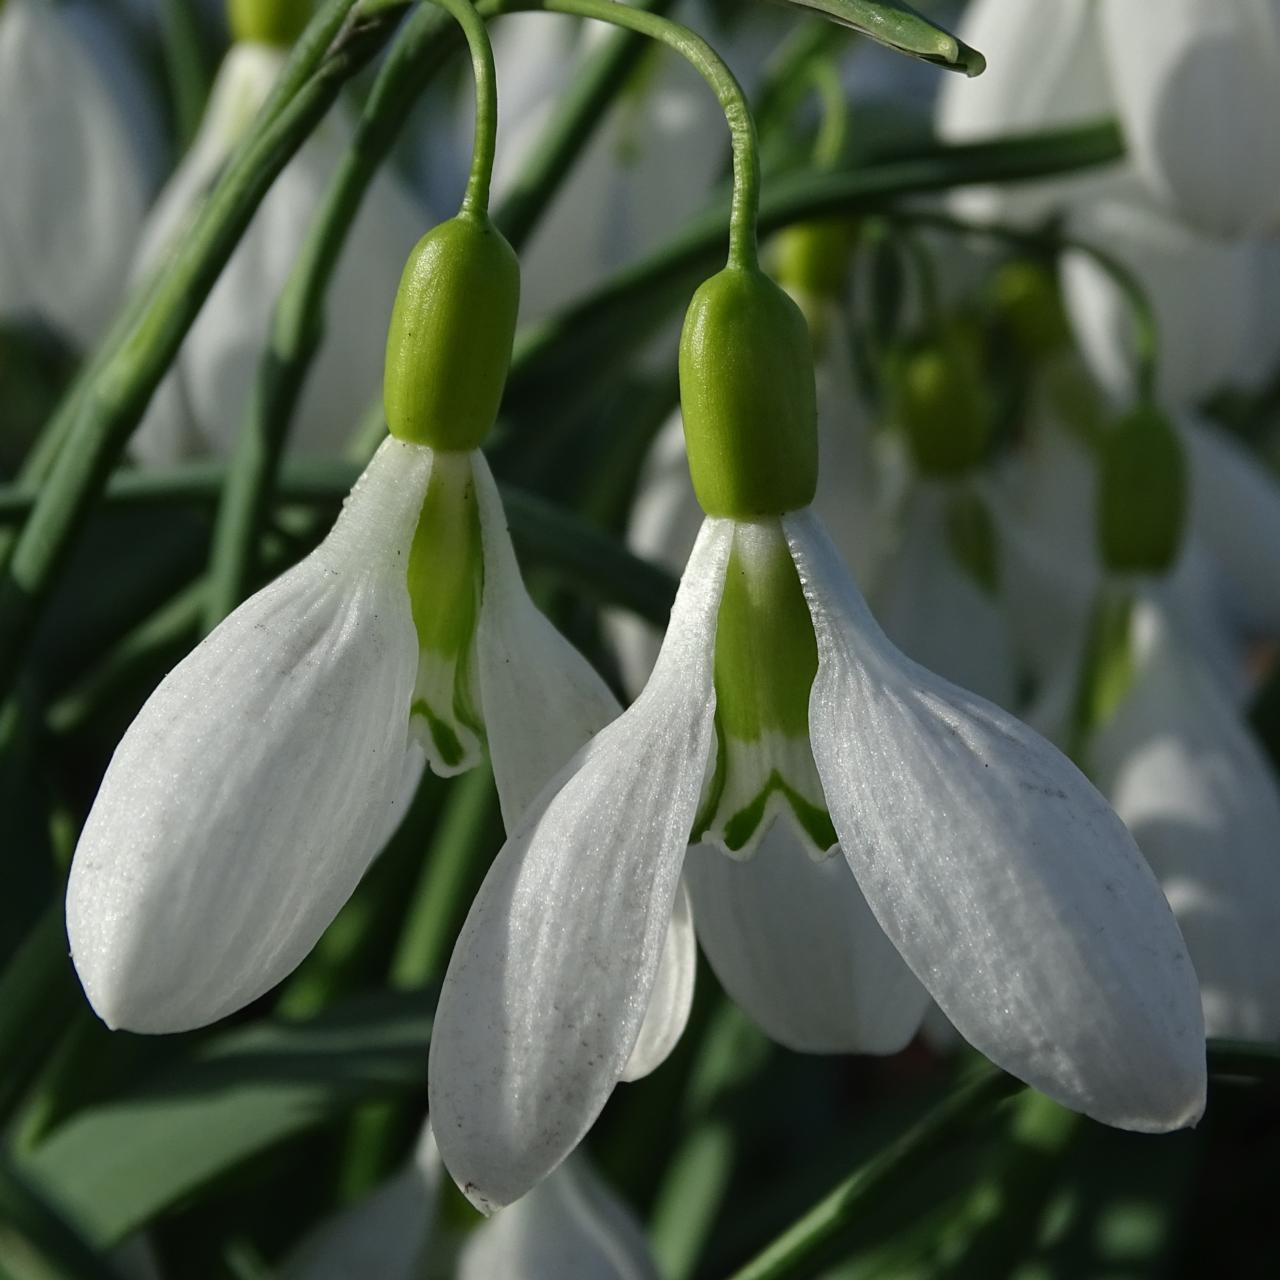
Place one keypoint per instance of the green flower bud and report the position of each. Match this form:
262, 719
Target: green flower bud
748, 396
940, 400
278, 22
812, 258
449, 345
1142, 493
1027, 297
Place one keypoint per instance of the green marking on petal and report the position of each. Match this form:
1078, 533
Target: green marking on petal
766, 652
814, 822
445, 579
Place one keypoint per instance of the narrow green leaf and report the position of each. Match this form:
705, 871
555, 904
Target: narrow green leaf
118, 1166
898, 25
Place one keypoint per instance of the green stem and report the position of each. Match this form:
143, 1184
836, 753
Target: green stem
475, 199
800, 1248
124, 383
744, 206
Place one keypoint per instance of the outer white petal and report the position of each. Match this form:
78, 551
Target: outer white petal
569, 1227
1198, 91
672, 998
1193, 787
1009, 886
73, 188
1212, 302
1045, 67
542, 700
220, 357
552, 973
936, 613
246, 800
385, 1236
793, 942
1235, 509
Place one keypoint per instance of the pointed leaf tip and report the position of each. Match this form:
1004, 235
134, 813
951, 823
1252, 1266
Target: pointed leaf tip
900, 27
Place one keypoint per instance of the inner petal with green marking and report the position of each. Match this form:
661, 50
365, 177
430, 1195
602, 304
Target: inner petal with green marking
766, 659
446, 574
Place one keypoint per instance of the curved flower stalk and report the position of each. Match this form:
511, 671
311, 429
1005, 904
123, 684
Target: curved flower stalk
1007, 885
1198, 85
572, 1225
75, 185
1212, 301
200, 405
1201, 800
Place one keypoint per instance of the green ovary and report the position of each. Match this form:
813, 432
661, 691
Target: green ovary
445, 577
766, 659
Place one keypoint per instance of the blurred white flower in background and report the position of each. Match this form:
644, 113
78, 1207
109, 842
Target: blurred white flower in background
201, 405
76, 170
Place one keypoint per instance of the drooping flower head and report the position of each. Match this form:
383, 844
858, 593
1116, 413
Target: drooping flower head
1002, 879
255, 786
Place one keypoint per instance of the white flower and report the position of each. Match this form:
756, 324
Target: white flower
249, 796
1201, 800
1212, 301
1197, 83
571, 1227
201, 404
1007, 884
74, 188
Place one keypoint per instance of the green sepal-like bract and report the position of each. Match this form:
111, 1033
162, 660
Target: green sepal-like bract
1142, 493
940, 401
278, 22
449, 345
748, 396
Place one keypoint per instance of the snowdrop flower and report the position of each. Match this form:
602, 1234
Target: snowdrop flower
201, 404
248, 797
1212, 301
1008, 886
1197, 83
572, 1225
1201, 800
75, 185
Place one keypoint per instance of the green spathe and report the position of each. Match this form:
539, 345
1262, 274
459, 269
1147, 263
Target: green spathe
1142, 493
449, 345
278, 22
747, 392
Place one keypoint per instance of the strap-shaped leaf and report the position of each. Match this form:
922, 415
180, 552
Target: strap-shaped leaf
900, 27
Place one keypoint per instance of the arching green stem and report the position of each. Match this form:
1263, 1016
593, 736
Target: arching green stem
476, 198
745, 206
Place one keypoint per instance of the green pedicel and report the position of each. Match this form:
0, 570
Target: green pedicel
748, 397
449, 344
445, 578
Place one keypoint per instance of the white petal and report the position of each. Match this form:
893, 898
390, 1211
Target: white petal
1202, 802
551, 976
569, 1227
74, 188
1212, 301
1010, 888
672, 998
246, 800
385, 1236
1045, 67
542, 700
1235, 509
793, 942
1198, 91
